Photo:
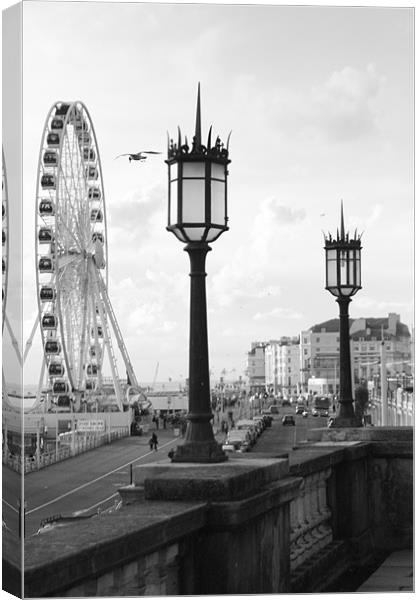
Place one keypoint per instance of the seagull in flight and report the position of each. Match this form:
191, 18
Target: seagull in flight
138, 155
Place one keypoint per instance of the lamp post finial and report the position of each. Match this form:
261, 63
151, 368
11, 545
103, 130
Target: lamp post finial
342, 222
198, 119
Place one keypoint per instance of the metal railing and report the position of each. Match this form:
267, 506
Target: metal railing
79, 446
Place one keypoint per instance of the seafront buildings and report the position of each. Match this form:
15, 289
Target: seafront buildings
292, 365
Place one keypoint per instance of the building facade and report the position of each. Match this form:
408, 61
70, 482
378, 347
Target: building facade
256, 367
285, 366
320, 351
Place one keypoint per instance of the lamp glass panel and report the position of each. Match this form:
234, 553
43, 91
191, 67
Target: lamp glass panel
334, 291
346, 290
194, 234
193, 169
179, 234
358, 273
343, 267
212, 234
217, 202
193, 201
173, 214
331, 272
218, 171
173, 171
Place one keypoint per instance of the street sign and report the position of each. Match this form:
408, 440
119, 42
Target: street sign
90, 425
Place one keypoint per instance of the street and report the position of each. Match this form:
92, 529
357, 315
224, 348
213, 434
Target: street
83, 483
91, 480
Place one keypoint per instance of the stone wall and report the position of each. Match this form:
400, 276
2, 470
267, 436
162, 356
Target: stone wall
259, 525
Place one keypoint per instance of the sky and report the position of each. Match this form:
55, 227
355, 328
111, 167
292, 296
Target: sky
320, 104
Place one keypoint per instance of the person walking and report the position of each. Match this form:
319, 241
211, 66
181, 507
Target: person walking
153, 442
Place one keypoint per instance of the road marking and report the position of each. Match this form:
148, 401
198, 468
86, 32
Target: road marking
10, 506
80, 487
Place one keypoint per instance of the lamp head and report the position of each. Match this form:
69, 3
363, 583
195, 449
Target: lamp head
197, 181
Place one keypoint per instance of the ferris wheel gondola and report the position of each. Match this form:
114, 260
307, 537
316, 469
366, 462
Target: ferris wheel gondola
71, 260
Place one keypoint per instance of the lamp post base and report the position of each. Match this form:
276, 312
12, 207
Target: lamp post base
199, 452
341, 422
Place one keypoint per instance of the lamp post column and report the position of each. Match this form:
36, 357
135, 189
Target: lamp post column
200, 444
346, 410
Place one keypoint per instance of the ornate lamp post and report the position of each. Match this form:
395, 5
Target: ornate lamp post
343, 281
197, 215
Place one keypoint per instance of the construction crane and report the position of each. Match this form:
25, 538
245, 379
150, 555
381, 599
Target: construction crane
155, 375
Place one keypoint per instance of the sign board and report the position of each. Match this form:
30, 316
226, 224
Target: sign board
90, 425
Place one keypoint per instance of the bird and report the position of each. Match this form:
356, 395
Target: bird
138, 155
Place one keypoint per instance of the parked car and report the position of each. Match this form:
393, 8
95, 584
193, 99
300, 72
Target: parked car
288, 420
274, 410
260, 424
324, 413
305, 414
240, 438
286, 402
248, 425
300, 409
315, 412
229, 447
267, 418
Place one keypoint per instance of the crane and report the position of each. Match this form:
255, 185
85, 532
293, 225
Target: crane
155, 375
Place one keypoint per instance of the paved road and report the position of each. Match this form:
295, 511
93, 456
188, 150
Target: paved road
91, 480
282, 438
82, 483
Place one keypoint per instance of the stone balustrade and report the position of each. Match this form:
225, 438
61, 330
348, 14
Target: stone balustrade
252, 525
310, 519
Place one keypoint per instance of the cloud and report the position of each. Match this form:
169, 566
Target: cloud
340, 109
135, 212
284, 313
343, 104
253, 267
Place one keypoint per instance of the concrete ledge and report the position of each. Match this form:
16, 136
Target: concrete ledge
231, 480
89, 549
229, 515
361, 434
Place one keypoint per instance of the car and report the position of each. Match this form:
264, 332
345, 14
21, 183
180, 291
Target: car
286, 403
228, 448
300, 409
267, 418
305, 414
315, 412
274, 410
250, 426
324, 413
288, 420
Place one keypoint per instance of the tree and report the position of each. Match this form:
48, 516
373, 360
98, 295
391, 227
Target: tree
361, 400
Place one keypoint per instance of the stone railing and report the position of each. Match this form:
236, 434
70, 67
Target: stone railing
310, 517
253, 525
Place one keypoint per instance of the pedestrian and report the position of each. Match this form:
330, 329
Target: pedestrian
153, 442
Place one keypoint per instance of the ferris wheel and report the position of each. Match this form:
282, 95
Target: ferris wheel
4, 237
75, 314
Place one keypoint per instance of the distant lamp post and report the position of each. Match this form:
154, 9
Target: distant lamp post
343, 281
197, 215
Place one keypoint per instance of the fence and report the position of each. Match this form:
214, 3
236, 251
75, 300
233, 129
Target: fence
78, 446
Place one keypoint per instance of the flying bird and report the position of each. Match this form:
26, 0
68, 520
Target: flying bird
138, 155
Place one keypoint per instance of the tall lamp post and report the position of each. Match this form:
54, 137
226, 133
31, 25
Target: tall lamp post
343, 281
197, 215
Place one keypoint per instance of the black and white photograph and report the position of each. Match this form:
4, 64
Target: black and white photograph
208, 277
